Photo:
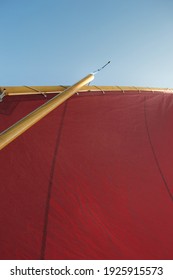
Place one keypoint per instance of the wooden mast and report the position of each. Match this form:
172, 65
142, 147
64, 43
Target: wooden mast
21, 126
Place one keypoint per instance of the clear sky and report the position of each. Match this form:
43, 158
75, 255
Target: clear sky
52, 42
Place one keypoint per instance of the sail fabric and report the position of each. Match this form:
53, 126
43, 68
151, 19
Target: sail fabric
92, 180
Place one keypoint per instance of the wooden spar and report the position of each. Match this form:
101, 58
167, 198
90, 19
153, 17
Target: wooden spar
21, 126
26, 90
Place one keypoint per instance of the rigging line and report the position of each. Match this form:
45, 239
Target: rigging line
50, 185
63, 86
36, 90
32, 88
95, 72
99, 89
154, 153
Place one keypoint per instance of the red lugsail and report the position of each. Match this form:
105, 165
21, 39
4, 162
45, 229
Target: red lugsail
92, 180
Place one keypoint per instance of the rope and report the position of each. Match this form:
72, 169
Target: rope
95, 72
36, 90
99, 89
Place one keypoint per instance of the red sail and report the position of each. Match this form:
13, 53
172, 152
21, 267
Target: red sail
92, 180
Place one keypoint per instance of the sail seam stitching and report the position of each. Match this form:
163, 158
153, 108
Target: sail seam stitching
154, 153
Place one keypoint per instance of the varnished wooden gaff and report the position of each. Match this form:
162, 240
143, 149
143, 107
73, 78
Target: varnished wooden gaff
21, 126
25, 90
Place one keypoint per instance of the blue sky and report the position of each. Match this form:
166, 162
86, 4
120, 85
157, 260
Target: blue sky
51, 42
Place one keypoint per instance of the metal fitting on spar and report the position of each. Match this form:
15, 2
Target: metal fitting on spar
2, 94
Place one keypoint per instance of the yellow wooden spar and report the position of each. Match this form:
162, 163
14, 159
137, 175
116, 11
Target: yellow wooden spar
32, 90
21, 126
